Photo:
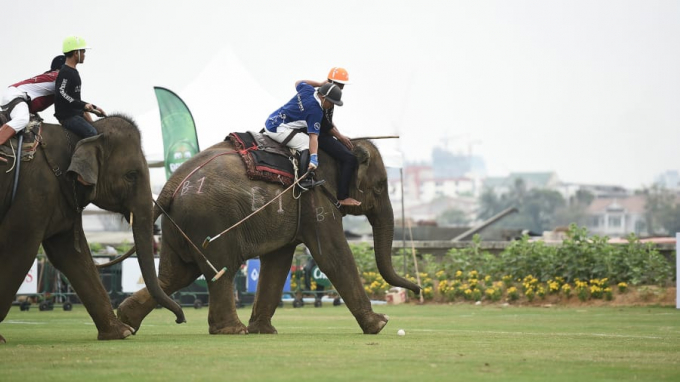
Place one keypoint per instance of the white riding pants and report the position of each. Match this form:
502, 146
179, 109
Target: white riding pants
20, 115
299, 142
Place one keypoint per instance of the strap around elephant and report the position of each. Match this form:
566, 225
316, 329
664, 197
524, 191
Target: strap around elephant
330, 196
290, 136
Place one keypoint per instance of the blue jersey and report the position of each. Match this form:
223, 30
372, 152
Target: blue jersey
302, 112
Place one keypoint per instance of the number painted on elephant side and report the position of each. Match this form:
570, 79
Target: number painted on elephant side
201, 185
321, 214
187, 187
257, 198
260, 197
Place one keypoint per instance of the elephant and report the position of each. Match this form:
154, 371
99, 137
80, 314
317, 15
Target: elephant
211, 192
47, 210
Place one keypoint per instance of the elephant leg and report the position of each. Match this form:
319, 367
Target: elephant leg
274, 268
335, 259
173, 275
17, 252
84, 278
222, 316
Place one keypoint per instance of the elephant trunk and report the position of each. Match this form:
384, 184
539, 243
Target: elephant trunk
383, 234
142, 230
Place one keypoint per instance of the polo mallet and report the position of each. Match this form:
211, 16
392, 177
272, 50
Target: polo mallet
217, 274
415, 262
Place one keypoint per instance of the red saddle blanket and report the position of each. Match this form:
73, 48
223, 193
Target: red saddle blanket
264, 158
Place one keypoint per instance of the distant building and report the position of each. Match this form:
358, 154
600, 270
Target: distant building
539, 180
617, 217
451, 165
422, 183
569, 191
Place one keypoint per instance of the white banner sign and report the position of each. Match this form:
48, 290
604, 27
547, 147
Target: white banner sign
30, 285
132, 279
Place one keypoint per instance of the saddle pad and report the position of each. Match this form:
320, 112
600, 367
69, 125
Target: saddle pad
264, 158
32, 138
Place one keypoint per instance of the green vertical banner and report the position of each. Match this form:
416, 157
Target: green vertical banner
180, 141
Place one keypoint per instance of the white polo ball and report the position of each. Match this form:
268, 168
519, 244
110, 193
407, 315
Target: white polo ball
401, 332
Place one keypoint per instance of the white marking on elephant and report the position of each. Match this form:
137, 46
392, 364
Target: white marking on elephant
187, 187
257, 199
280, 210
201, 185
321, 214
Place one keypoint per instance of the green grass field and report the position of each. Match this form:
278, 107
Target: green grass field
442, 343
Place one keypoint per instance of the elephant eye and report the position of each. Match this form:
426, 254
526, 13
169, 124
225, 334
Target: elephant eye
131, 176
380, 187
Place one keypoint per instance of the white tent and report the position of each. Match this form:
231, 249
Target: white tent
223, 98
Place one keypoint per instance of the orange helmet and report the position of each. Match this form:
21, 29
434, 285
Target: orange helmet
338, 75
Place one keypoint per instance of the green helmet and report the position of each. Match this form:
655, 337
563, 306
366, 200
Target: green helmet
72, 43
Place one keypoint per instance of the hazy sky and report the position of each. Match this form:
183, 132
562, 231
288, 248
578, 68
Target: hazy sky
589, 89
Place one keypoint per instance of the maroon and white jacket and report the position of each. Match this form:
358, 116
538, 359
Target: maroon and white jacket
40, 89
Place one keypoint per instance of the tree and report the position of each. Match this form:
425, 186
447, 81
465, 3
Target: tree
489, 204
541, 205
537, 207
661, 210
452, 217
575, 212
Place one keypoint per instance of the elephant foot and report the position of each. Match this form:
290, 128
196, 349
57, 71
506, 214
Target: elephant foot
235, 329
118, 331
2, 339
373, 323
131, 312
261, 328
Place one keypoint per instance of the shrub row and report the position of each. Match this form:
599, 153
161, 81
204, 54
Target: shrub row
587, 266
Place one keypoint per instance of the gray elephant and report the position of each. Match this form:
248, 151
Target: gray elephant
211, 192
47, 210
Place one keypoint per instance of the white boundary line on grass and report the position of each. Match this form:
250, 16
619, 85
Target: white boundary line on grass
544, 334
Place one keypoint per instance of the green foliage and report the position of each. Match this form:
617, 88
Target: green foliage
662, 210
364, 257
124, 246
96, 247
528, 270
580, 257
587, 257
452, 217
523, 258
469, 259
539, 209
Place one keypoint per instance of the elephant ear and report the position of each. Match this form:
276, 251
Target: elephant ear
87, 158
364, 159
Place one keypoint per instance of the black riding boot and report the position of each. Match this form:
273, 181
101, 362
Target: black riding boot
309, 181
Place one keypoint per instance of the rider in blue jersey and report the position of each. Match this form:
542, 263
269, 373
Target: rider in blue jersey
304, 113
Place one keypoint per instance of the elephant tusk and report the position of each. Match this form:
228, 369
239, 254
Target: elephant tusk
131, 218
